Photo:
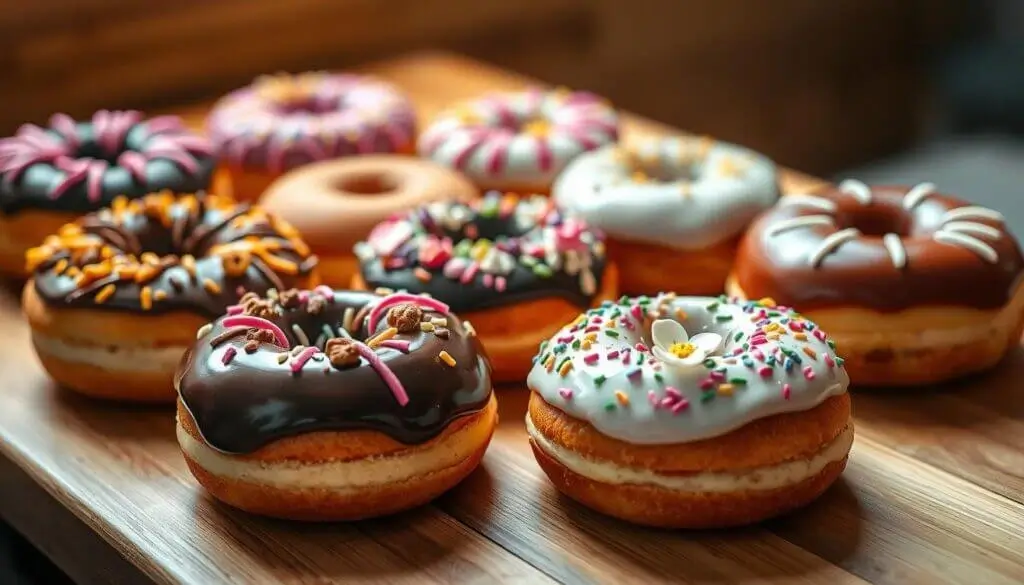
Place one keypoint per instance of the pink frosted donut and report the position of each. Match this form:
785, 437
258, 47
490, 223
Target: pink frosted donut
519, 141
285, 121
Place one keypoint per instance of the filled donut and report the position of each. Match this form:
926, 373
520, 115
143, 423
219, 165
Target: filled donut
512, 267
283, 121
673, 208
916, 286
50, 176
690, 412
323, 405
335, 204
116, 297
519, 141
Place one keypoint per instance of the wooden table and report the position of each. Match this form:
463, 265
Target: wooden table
934, 491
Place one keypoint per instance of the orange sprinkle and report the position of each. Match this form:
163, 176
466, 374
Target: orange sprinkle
146, 298
105, 293
586, 344
159, 295
211, 287
150, 258
725, 389
61, 266
382, 336
810, 352
767, 302
565, 369
422, 274
188, 262
446, 358
549, 364
145, 273
800, 336
73, 272
680, 314
622, 398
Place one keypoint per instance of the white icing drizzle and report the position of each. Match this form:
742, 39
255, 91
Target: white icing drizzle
897, 253
799, 222
917, 194
769, 362
972, 212
971, 243
810, 201
973, 229
856, 189
831, 243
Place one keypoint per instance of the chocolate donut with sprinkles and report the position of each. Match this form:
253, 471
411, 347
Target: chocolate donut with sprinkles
512, 266
281, 122
333, 405
115, 297
917, 286
49, 176
690, 412
519, 141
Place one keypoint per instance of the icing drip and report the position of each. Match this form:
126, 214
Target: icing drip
856, 189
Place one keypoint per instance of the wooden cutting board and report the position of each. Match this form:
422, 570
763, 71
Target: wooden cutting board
934, 491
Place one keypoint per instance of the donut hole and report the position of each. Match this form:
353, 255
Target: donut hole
304, 104
91, 149
367, 184
876, 220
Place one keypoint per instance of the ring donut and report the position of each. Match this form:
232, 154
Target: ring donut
513, 267
672, 208
323, 405
745, 419
335, 204
519, 141
283, 121
115, 298
50, 176
916, 286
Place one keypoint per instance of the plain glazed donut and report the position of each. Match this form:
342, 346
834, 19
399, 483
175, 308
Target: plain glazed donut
335, 204
283, 121
322, 405
513, 267
633, 417
519, 141
116, 297
50, 176
673, 208
917, 287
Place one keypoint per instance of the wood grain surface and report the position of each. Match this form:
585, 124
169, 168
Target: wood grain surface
934, 492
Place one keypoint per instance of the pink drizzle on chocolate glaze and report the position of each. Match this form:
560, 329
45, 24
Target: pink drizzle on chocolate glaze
167, 139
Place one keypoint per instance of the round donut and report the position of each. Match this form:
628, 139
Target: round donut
322, 405
519, 141
673, 208
334, 204
917, 286
746, 419
283, 121
115, 298
511, 266
50, 176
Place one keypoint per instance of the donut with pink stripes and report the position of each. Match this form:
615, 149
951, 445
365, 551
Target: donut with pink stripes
519, 141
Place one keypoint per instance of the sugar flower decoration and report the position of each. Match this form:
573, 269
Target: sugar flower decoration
674, 347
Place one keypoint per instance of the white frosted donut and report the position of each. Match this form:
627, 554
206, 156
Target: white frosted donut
686, 193
519, 139
743, 362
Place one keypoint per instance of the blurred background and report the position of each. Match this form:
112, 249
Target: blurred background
885, 90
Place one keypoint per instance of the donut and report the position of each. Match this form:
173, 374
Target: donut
512, 267
916, 286
746, 419
50, 176
519, 141
115, 298
334, 204
333, 405
673, 208
283, 121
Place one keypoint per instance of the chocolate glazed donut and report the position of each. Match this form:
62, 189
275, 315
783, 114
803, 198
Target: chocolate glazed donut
302, 362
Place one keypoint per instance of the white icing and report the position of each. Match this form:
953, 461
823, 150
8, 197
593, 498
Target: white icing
571, 116
917, 194
897, 253
856, 189
810, 201
803, 221
762, 478
672, 409
718, 189
972, 229
830, 244
971, 243
972, 212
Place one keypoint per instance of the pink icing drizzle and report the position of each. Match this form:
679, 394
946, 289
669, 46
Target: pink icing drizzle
303, 357
399, 344
384, 372
259, 323
426, 302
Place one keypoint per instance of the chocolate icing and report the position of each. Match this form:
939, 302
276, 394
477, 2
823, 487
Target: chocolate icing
196, 227
165, 149
533, 222
862, 272
255, 400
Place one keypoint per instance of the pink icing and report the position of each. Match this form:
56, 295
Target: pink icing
385, 373
303, 357
259, 323
426, 302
